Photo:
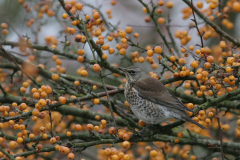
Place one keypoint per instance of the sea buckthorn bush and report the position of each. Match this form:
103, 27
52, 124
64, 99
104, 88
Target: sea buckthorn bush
61, 93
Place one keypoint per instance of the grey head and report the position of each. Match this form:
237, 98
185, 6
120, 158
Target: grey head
132, 73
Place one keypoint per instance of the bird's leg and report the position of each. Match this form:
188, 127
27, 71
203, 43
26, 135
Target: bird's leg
140, 133
148, 126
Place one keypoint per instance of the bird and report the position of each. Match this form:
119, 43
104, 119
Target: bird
151, 101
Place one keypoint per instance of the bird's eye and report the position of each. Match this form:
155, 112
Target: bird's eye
132, 72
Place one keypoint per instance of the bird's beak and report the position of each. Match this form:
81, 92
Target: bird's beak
122, 69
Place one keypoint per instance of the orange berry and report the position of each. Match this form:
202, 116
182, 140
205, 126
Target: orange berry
203, 88
141, 59
94, 87
23, 90
31, 135
71, 156
78, 127
144, 10
108, 11
199, 93
122, 51
53, 140
191, 48
48, 90
111, 50
80, 59
22, 106
169, 4
103, 122
225, 127
193, 157
194, 64
153, 153
159, 11
96, 15
90, 127
126, 144
236, 6
190, 105
76, 83
176, 140
5, 32
141, 123
62, 100
55, 77
25, 84
83, 73
96, 101
13, 144
4, 25
54, 57
230, 60
136, 35
19, 139
222, 44
79, 6
150, 53
68, 133
148, 148
125, 137
180, 134
228, 69
112, 130
210, 59
104, 56
81, 52
173, 58
66, 150
42, 103
129, 30
181, 61
161, 3
105, 47
200, 4
113, 2
45, 136
58, 62
158, 49
122, 34
207, 65
161, 20
78, 38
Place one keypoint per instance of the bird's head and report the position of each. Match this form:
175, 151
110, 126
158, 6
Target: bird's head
132, 73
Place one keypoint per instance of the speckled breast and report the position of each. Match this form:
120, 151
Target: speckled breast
145, 110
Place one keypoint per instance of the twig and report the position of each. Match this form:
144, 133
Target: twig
108, 101
213, 25
3, 90
7, 154
171, 37
156, 25
196, 25
220, 133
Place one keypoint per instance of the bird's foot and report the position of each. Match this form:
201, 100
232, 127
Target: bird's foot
140, 133
161, 129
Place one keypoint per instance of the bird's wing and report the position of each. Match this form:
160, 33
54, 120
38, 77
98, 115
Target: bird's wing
154, 91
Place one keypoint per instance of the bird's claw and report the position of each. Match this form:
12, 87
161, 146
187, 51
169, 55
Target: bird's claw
139, 134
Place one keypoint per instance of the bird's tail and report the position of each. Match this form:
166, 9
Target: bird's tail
194, 122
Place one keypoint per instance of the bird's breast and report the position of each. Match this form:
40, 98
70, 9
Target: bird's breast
146, 110
142, 108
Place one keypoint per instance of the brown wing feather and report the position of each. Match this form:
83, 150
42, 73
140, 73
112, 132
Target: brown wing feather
155, 91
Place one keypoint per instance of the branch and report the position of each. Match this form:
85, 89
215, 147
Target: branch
212, 24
